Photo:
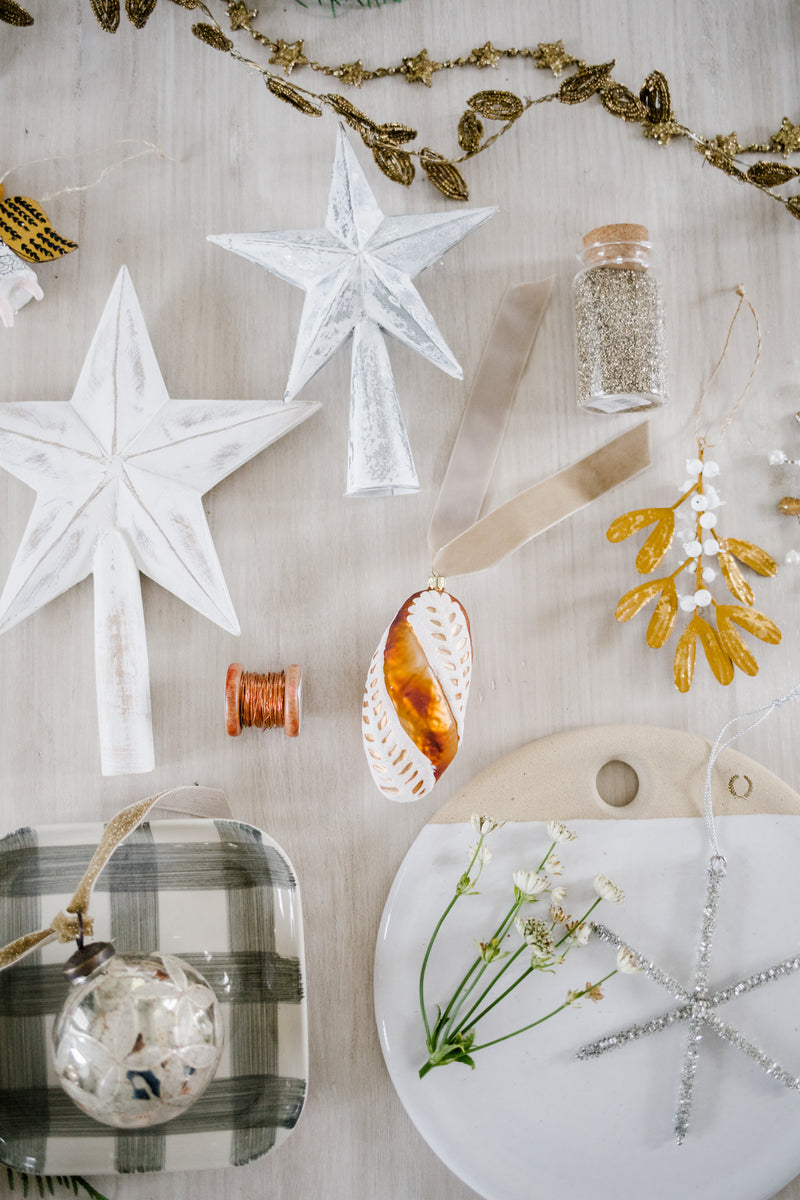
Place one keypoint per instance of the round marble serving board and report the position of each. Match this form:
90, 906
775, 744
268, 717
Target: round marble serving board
531, 1120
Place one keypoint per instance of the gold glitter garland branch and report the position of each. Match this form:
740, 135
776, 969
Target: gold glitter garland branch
388, 141
652, 108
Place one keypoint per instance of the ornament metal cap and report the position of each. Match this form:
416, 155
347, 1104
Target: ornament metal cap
88, 959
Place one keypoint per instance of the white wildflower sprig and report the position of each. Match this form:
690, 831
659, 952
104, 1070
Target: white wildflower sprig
579, 932
483, 825
607, 890
528, 885
535, 934
451, 1036
627, 961
559, 832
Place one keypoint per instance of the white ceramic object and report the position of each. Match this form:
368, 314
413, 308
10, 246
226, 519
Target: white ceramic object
218, 895
356, 273
18, 284
415, 697
531, 1121
119, 472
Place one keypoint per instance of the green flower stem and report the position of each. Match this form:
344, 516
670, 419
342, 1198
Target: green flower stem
434, 935
511, 959
463, 991
531, 969
498, 934
533, 1024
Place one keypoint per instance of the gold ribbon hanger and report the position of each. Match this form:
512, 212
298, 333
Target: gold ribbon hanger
75, 923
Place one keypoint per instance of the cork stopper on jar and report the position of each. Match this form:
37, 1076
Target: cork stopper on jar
617, 243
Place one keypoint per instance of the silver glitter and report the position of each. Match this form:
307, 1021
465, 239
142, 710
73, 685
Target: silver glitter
619, 321
697, 1007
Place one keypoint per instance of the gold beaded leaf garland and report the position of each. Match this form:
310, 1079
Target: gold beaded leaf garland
651, 108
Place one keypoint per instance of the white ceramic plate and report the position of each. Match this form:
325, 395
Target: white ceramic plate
531, 1121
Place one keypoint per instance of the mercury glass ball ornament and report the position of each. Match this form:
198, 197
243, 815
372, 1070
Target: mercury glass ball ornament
139, 1037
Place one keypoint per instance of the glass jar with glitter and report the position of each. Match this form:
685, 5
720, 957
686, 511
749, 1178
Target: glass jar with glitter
619, 323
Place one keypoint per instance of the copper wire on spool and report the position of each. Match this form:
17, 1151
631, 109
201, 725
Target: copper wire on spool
265, 701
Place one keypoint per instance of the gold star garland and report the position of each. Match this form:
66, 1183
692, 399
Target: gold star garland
388, 141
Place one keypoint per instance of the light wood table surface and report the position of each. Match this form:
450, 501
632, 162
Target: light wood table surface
315, 577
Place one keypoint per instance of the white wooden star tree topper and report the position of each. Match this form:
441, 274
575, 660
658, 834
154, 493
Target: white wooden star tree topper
356, 273
119, 472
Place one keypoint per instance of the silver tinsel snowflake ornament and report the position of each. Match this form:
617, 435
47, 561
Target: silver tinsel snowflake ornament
697, 1006
357, 274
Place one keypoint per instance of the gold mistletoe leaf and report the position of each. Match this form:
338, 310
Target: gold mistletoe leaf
737, 584
735, 646
354, 116
751, 619
470, 131
657, 544
14, 14
584, 83
443, 175
793, 205
635, 599
621, 102
397, 164
213, 37
718, 659
663, 617
683, 668
630, 522
107, 13
25, 228
752, 556
770, 174
289, 93
497, 106
656, 98
393, 132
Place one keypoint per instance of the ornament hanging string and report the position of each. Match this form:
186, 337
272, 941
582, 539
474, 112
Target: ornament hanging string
703, 438
755, 717
150, 148
75, 923
459, 539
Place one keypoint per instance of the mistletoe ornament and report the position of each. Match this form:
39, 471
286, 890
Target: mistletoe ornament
704, 550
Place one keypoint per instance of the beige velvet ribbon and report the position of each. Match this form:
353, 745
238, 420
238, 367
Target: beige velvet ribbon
459, 539
75, 922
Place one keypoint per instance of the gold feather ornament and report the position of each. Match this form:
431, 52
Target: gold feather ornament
705, 552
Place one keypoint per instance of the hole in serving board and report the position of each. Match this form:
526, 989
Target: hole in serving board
617, 783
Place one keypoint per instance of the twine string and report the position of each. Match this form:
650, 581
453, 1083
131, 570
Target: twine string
755, 717
703, 438
149, 148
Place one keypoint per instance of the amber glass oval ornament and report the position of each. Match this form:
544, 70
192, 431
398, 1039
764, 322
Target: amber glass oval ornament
416, 695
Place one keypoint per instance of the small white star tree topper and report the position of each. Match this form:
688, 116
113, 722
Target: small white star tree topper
356, 273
